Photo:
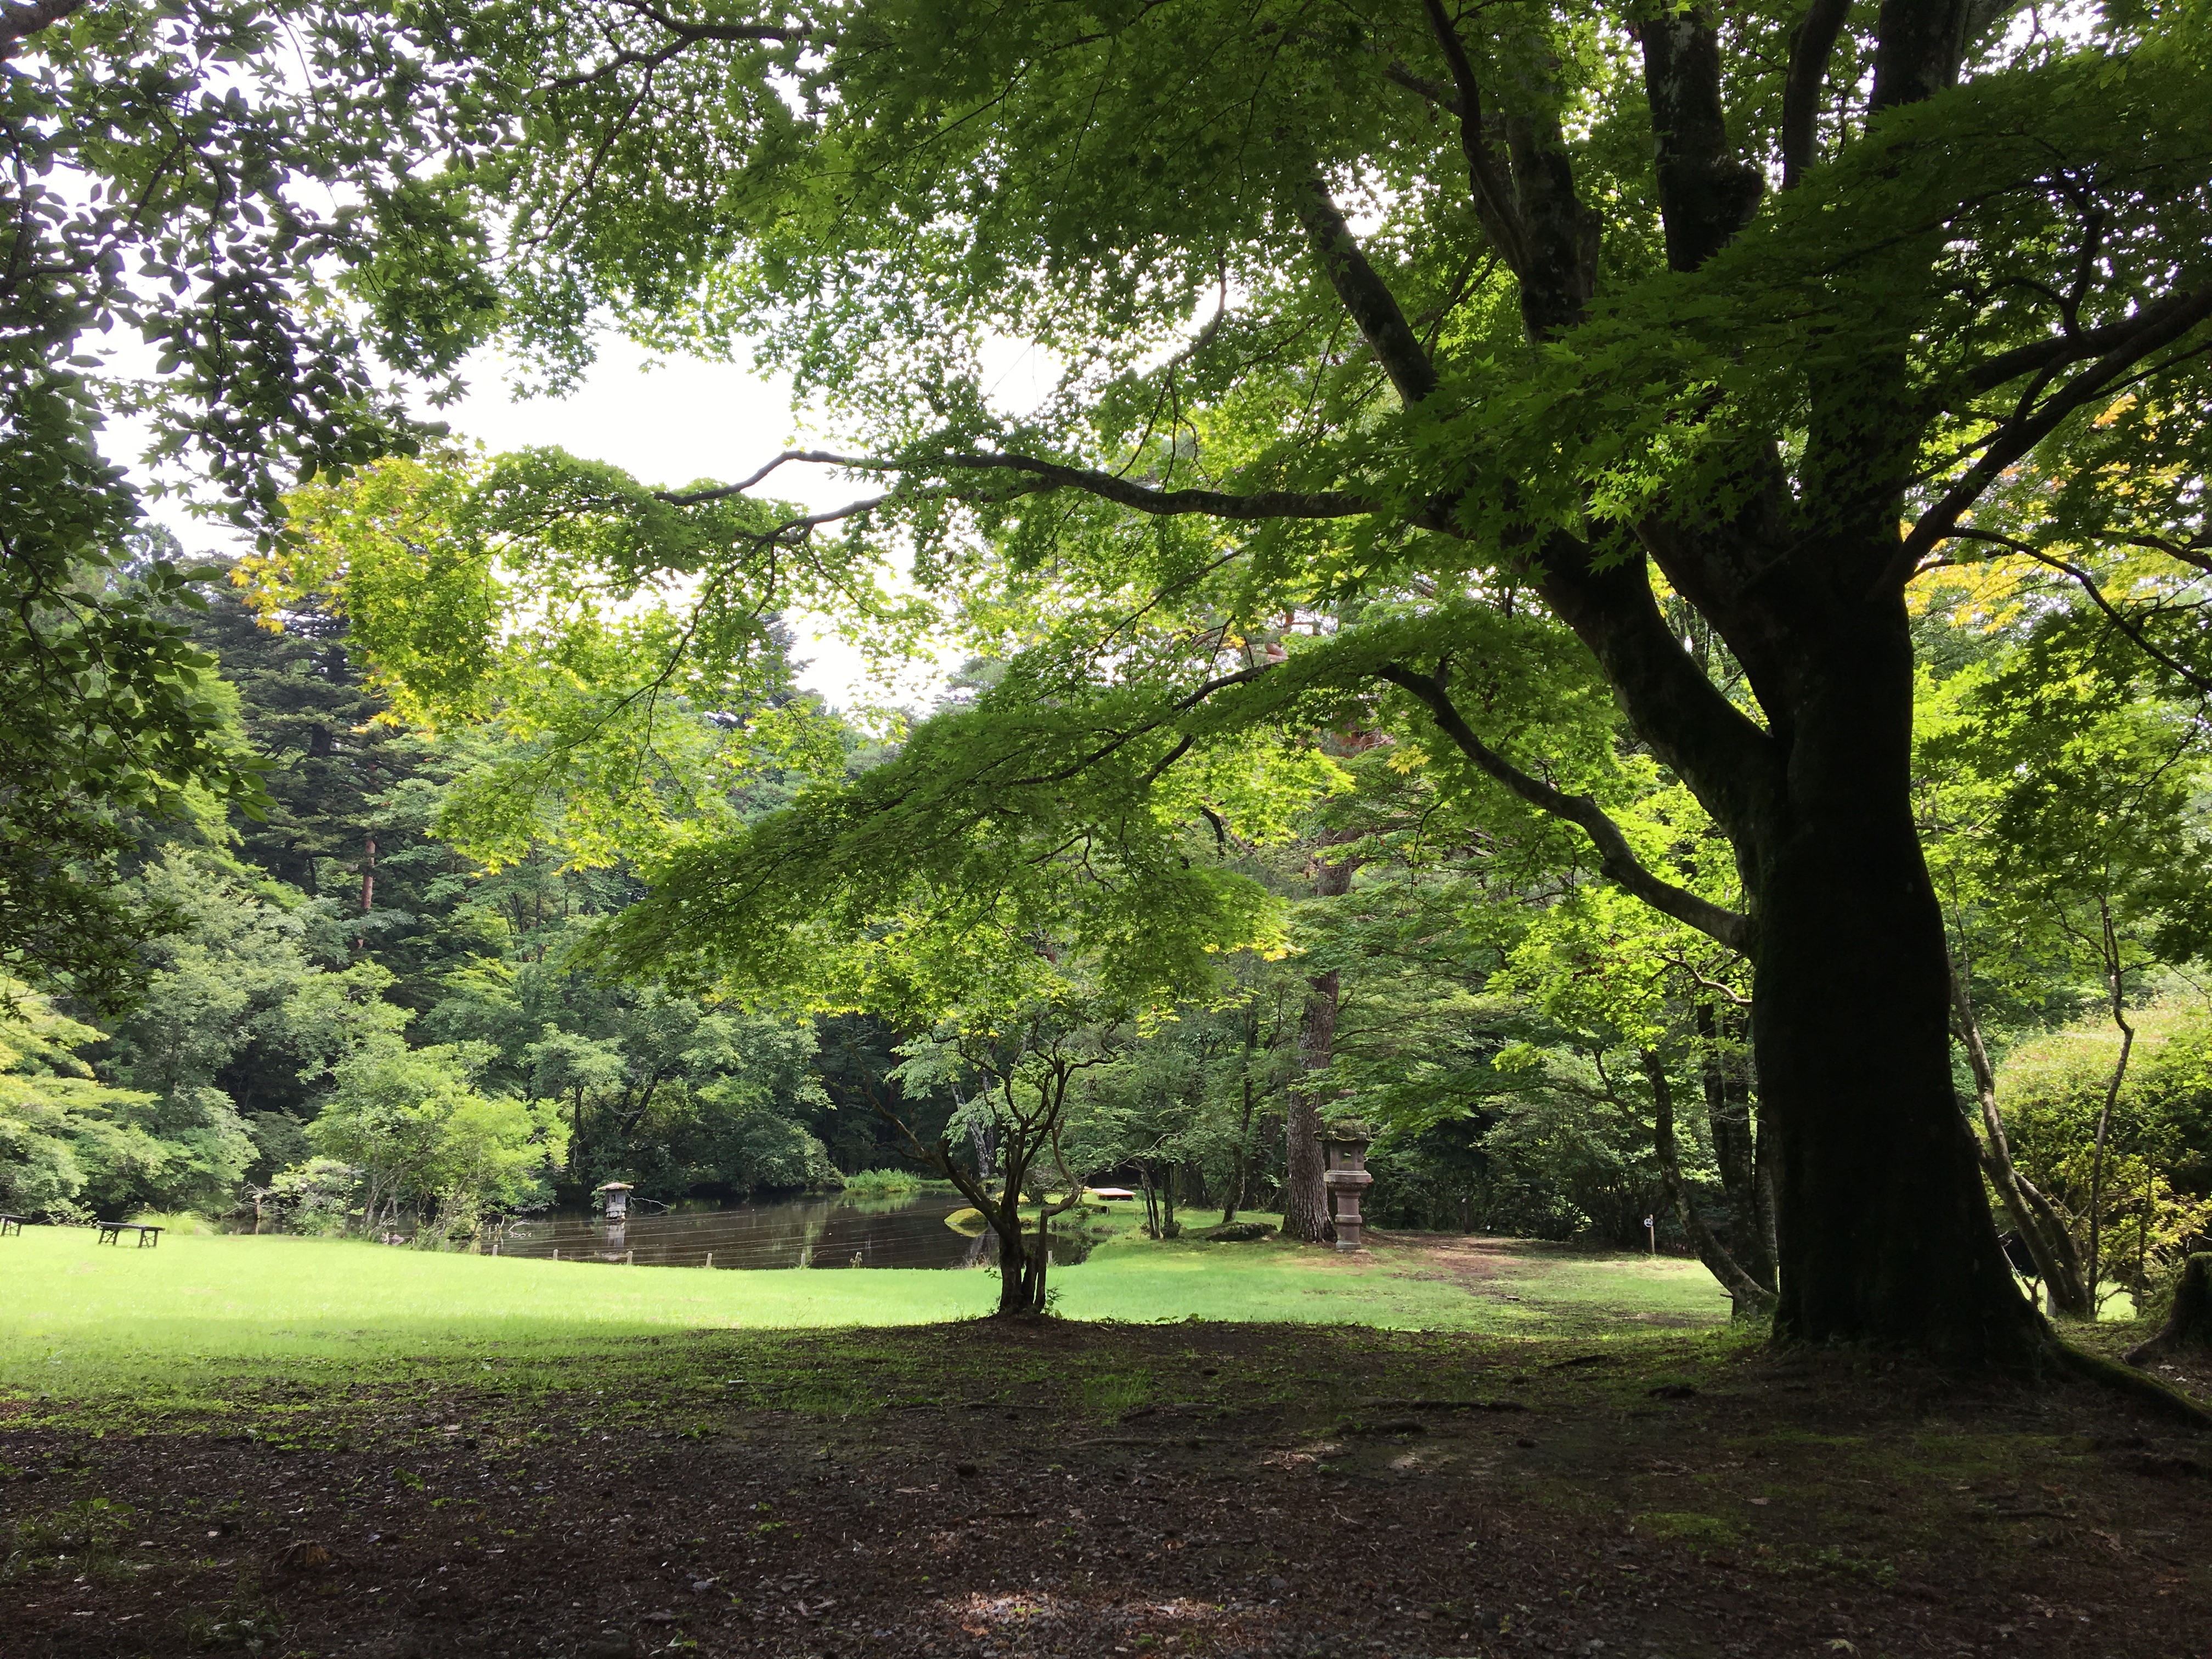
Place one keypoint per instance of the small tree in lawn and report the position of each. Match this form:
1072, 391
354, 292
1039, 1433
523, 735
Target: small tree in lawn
1027, 1059
1010, 927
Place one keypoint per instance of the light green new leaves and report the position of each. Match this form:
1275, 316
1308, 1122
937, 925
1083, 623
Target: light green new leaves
1011, 847
625, 647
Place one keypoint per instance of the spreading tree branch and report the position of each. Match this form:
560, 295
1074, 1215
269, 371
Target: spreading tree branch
2087, 583
2079, 346
1493, 189
1617, 861
2019, 435
682, 36
1374, 309
1265, 504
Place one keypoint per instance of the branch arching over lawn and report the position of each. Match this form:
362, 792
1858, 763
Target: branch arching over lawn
1616, 859
1259, 505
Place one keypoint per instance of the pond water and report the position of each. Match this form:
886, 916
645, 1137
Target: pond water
906, 1231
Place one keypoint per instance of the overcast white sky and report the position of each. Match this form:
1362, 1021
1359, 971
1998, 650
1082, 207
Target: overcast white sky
671, 425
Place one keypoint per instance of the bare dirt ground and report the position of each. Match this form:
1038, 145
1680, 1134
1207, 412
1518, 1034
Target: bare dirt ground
1054, 1488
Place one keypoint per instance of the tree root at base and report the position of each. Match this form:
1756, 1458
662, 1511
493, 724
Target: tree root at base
2139, 1387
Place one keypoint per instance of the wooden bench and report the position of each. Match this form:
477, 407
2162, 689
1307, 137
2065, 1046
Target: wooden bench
111, 1232
10, 1224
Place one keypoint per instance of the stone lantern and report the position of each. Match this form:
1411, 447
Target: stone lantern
616, 1194
1346, 1178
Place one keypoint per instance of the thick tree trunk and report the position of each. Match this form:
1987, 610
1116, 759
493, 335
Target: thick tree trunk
1019, 1278
1305, 1198
2189, 1327
1884, 1233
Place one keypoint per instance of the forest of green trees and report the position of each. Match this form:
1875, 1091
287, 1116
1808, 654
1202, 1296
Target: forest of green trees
344, 1018
1617, 600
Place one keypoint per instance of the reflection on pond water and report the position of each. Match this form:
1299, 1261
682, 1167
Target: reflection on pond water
905, 1230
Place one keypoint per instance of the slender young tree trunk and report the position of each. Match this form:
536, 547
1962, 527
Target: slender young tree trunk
367, 889
1040, 1259
1763, 1162
1305, 1197
2115, 983
1736, 1146
2142, 1232
1885, 1235
2050, 1241
1751, 1299
1238, 1158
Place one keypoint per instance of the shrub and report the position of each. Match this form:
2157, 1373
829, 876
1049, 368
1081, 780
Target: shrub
869, 1183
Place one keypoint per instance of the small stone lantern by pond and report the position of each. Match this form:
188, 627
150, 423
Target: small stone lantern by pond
616, 1194
1346, 1178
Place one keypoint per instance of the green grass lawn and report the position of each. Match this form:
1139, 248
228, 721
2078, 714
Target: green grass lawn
1538, 1290
81, 1321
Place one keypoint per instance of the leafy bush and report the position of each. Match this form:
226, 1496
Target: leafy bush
2157, 1199
422, 1138
869, 1183
315, 1195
